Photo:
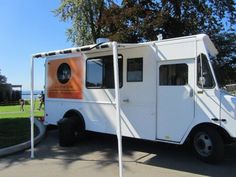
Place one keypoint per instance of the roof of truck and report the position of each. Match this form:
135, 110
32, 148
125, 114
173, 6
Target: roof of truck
209, 45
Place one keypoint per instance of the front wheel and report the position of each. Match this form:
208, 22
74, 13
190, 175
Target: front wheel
208, 145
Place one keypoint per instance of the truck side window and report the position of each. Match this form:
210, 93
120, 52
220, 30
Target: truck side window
94, 73
204, 74
173, 74
100, 72
135, 70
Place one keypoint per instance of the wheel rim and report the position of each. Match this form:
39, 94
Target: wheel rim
203, 144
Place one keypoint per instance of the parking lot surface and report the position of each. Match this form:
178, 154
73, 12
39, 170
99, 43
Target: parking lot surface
96, 156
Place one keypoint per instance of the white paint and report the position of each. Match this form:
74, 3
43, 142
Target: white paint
147, 110
32, 106
117, 100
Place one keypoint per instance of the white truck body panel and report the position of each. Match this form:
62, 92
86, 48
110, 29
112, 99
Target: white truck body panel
149, 110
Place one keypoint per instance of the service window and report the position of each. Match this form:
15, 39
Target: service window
135, 70
204, 74
173, 74
100, 72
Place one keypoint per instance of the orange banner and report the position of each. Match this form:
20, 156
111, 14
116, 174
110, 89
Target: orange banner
65, 78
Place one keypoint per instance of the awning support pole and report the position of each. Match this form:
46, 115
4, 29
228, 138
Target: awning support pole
32, 106
117, 101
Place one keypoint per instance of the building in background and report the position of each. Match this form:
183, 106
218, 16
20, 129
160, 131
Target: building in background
10, 94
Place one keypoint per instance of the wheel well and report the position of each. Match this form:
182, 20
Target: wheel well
77, 117
223, 133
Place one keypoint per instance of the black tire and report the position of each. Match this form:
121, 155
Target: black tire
208, 145
67, 132
79, 125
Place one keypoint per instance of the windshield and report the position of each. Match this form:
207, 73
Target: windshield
221, 76
222, 72
217, 70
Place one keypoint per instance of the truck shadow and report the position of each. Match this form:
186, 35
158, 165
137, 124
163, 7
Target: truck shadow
162, 155
102, 150
181, 158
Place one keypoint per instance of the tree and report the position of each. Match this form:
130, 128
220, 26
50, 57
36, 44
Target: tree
215, 18
142, 20
195, 16
146, 19
130, 22
85, 16
3, 79
225, 63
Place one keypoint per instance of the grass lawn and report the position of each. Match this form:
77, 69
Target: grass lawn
15, 125
15, 131
14, 111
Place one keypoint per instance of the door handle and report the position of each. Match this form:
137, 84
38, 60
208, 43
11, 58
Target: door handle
200, 92
126, 100
191, 92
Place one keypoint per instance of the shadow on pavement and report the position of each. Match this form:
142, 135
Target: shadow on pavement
102, 149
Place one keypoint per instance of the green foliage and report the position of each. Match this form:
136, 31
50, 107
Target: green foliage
131, 22
15, 125
14, 131
136, 21
3, 79
85, 16
142, 20
225, 63
191, 17
14, 111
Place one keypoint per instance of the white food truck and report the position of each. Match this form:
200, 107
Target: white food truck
167, 88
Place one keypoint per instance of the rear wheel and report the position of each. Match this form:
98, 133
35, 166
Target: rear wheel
71, 127
67, 132
208, 145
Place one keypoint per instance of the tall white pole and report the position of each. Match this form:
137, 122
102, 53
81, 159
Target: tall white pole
32, 106
117, 101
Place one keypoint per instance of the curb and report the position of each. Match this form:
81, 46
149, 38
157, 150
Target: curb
25, 145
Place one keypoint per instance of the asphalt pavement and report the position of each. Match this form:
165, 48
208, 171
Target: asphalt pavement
96, 156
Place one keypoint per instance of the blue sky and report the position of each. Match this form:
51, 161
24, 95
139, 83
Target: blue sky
28, 27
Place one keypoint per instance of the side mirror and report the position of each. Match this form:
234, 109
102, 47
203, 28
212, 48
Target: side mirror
202, 80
